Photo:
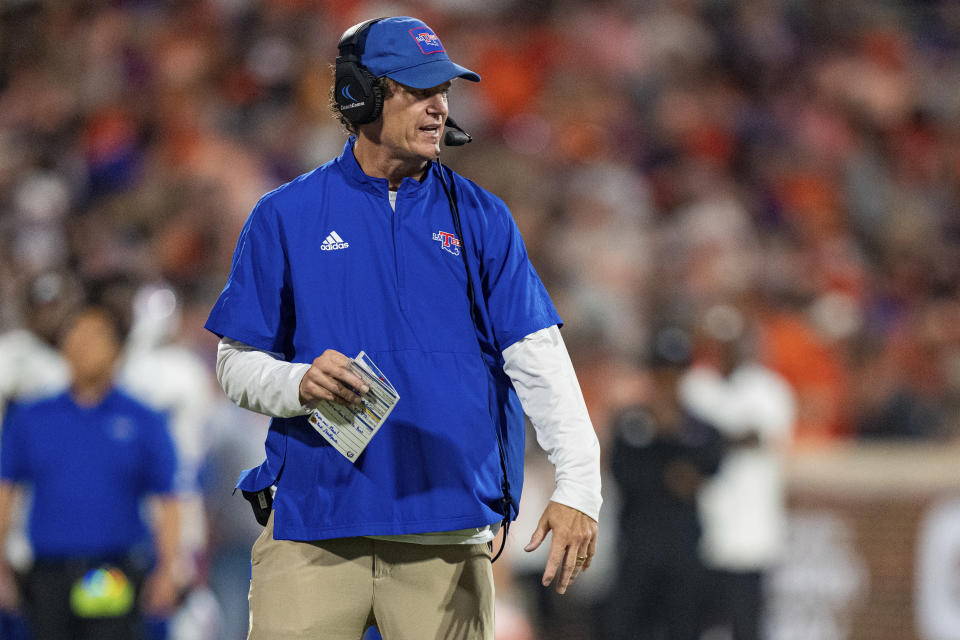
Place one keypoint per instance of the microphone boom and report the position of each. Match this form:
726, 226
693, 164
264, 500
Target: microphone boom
455, 136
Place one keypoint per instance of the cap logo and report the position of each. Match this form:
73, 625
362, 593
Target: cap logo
427, 40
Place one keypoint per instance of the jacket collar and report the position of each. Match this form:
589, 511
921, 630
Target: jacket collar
377, 186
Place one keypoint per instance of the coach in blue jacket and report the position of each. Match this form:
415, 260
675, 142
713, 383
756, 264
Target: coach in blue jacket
92, 456
362, 254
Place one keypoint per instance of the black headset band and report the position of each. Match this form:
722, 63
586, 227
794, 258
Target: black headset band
354, 41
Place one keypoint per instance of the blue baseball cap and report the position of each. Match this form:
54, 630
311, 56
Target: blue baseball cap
408, 51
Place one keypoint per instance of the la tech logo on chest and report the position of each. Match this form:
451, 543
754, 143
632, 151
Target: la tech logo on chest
448, 242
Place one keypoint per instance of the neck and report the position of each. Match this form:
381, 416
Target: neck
90, 392
375, 161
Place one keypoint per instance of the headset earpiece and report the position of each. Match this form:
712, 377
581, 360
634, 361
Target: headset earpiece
357, 92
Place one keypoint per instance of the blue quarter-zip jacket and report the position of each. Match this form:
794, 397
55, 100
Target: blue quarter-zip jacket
324, 262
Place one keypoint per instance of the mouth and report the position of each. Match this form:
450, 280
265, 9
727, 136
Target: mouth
432, 130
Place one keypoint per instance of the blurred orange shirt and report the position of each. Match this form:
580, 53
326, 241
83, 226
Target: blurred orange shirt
817, 373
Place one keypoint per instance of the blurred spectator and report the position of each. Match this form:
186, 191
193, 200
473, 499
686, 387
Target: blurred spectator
153, 369
792, 346
742, 507
168, 377
236, 443
605, 214
90, 455
908, 384
30, 364
32, 367
661, 456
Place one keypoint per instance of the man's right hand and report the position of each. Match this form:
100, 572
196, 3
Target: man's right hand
9, 592
330, 378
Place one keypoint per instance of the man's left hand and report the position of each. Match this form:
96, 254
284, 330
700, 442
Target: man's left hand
160, 593
572, 545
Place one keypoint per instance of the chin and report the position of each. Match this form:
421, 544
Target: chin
427, 149
429, 152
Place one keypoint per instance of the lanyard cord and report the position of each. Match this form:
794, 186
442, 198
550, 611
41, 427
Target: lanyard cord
507, 500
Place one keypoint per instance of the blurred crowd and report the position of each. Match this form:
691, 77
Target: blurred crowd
795, 161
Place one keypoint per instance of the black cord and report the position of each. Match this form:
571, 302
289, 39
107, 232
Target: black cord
506, 501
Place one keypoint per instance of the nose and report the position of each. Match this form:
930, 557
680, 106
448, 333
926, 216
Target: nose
437, 104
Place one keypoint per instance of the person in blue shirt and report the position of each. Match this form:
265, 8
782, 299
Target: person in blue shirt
90, 455
364, 254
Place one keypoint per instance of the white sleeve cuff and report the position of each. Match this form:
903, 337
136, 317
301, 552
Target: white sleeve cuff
546, 383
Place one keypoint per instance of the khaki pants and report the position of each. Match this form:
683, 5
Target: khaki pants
336, 589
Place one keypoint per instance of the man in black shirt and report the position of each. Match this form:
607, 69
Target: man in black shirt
660, 457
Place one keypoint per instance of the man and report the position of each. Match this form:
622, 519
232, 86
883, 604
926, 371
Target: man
661, 456
31, 368
91, 456
166, 378
743, 507
30, 365
170, 378
362, 254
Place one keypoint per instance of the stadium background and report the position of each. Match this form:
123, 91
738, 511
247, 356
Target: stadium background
799, 159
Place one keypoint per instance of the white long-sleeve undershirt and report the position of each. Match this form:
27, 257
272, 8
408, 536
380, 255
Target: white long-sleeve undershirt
542, 375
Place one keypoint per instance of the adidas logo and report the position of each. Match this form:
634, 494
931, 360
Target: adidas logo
333, 242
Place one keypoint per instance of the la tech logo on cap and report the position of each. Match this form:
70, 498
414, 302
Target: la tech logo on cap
427, 40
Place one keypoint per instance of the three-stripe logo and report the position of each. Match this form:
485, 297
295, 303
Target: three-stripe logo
333, 242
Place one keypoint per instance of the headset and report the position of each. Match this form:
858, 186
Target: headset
359, 98
357, 91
